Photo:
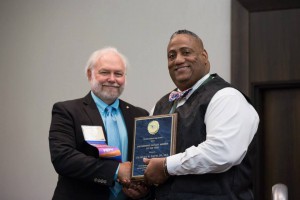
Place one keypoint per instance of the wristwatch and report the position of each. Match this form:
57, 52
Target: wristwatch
166, 168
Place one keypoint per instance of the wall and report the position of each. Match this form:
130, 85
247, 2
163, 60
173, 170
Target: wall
44, 48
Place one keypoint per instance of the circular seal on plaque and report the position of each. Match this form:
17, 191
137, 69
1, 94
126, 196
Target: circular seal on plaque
153, 127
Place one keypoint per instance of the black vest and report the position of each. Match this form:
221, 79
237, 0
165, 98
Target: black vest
234, 184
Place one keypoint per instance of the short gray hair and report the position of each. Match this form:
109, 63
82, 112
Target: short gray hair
99, 53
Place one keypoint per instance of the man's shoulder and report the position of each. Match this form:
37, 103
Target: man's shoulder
74, 102
164, 98
126, 105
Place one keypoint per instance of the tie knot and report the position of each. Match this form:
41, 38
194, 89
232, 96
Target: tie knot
177, 95
110, 113
109, 110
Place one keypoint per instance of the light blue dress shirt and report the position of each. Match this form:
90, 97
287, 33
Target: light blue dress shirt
120, 121
101, 105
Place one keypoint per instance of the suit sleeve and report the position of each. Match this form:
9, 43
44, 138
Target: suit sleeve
68, 160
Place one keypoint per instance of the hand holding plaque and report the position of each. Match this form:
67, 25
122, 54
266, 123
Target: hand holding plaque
154, 137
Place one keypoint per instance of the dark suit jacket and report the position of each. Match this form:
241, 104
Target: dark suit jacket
82, 174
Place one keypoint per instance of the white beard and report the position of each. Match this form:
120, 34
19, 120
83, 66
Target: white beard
105, 93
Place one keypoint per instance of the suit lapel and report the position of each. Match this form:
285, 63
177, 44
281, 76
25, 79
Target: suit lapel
129, 122
91, 110
93, 114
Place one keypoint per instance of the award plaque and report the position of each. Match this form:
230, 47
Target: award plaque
154, 137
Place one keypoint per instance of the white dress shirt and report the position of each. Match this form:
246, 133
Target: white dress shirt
231, 123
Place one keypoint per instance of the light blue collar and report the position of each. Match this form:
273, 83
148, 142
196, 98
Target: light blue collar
102, 105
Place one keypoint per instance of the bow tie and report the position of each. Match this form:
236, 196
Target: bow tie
177, 95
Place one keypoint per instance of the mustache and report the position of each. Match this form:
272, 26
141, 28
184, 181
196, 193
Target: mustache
111, 85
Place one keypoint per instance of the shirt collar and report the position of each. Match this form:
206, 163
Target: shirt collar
102, 105
196, 85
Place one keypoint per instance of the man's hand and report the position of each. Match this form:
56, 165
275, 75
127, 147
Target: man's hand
136, 190
124, 172
154, 173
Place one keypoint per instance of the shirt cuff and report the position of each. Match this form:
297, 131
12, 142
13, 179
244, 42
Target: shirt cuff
174, 164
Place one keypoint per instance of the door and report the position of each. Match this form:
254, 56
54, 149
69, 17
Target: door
266, 66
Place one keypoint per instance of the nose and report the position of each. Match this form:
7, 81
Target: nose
179, 59
112, 77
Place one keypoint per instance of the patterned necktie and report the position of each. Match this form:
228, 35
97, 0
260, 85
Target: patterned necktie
174, 95
113, 140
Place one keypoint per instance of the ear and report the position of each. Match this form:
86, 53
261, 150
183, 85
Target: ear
89, 74
205, 56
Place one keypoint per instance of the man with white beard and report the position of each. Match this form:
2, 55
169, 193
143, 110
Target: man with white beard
91, 138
